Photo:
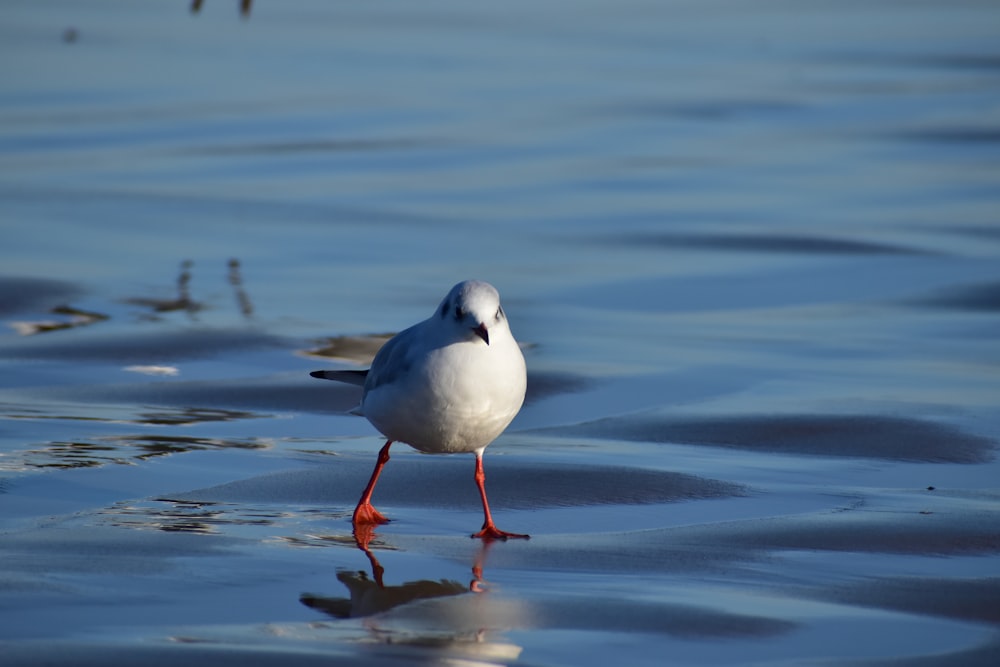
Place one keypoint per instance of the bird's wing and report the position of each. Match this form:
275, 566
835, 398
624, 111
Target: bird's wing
395, 358
350, 377
392, 361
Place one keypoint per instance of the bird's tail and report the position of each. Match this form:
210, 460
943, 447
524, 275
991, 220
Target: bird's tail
350, 377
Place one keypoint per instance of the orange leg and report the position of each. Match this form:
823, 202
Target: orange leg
489, 531
364, 513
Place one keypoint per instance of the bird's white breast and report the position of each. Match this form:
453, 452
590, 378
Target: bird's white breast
454, 398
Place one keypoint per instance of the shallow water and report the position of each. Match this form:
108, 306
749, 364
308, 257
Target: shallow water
751, 251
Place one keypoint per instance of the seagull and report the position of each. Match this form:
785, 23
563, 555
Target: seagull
449, 384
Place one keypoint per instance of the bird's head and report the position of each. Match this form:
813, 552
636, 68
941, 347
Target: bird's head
473, 308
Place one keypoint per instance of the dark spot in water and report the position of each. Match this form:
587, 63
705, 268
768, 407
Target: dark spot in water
978, 297
893, 532
953, 135
952, 61
245, 7
954, 598
975, 231
316, 146
769, 243
705, 110
223, 400
165, 347
541, 385
965, 61
417, 481
862, 436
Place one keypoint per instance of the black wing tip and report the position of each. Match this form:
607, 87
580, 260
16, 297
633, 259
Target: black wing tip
350, 377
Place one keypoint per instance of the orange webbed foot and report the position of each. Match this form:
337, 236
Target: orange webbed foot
491, 532
367, 514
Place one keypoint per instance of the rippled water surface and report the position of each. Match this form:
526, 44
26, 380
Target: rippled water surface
752, 252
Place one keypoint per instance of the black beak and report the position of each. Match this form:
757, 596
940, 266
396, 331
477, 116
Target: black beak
482, 333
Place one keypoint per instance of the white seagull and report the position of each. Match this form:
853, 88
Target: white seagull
451, 383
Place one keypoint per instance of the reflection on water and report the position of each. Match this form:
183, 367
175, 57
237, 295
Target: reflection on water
121, 450
426, 619
67, 455
355, 349
367, 597
160, 416
75, 318
331, 540
370, 595
72, 317
236, 280
182, 301
448, 618
182, 516
193, 416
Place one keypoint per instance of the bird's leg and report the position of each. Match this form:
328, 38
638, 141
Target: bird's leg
489, 531
364, 513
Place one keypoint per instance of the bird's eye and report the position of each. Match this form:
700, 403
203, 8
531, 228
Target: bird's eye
499, 314
459, 313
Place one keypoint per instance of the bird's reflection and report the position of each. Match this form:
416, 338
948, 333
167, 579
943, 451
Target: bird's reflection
182, 302
370, 595
449, 622
186, 303
236, 280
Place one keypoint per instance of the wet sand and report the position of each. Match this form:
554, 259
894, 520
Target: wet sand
771, 533
751, 255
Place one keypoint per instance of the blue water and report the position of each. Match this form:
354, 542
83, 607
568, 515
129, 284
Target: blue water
751, 248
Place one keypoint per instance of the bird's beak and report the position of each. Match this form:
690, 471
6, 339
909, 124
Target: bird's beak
482, 333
